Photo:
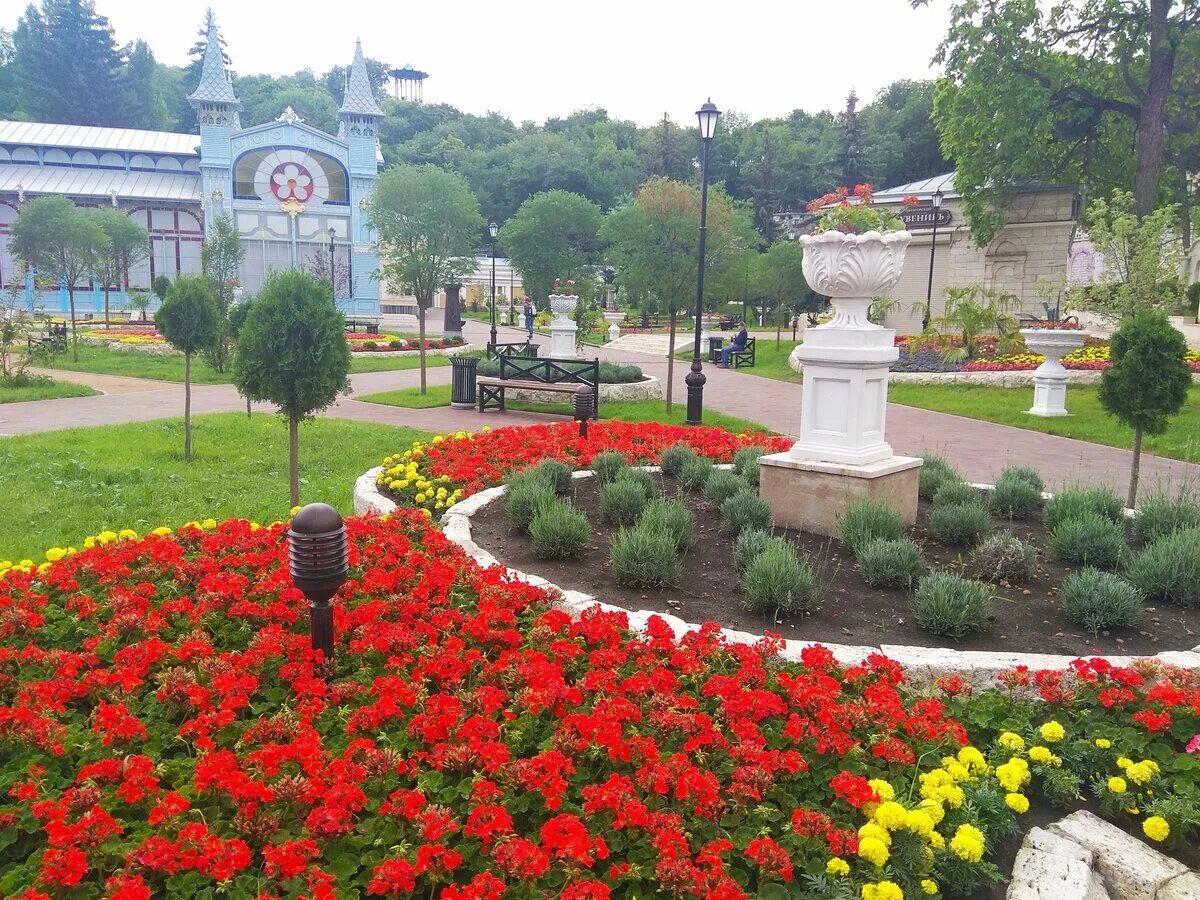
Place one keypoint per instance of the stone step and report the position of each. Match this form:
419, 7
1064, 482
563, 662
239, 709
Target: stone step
1132, 869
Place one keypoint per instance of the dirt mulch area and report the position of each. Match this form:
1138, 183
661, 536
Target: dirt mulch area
1027, 618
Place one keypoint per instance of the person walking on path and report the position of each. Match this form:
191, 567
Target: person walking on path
529, 317
737, 344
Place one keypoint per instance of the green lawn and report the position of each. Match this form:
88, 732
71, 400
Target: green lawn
43, 389
629, 411
1088, 420
768, 362
56, 488
170, 368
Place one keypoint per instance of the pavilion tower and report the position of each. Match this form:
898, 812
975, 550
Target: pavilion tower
217, 109
358, 126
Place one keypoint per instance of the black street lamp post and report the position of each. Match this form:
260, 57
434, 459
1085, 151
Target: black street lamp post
493, 229
707, 116
937, 205
332, 268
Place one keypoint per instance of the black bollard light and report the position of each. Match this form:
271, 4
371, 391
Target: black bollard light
584, 404
320, 561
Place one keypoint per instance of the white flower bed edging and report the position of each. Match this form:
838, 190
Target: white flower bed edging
1083, 857
923, 665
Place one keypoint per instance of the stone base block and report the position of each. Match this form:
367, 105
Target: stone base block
812, 496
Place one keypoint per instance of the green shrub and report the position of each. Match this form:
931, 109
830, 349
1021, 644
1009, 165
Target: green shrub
524, 499
1099, 600
1025, 474
777, 580
559, 531
1161, 514
952, 492
1088, 540
622, 501
672, 517
608, 465
958, 523
1014, 497
1169, 569
749, 543
950, 605
745, 463
645, 557
557, 473
643, 479
1074, 502
935, 473
723, 484
673, 459
890, 563
866, 520
745, 509
1004, 557
695, 473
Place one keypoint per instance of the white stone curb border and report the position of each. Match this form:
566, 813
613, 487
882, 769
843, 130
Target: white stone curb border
1083, 857
923, 665
441, 351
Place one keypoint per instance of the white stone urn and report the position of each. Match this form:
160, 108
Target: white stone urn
846, 361
1050, 378
563, 329
614, 316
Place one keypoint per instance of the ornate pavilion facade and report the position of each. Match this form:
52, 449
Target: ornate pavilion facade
292, 191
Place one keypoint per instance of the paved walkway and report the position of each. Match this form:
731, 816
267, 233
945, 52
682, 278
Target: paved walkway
978, 449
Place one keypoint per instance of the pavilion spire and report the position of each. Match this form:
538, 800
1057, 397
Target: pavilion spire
360, 97
215, 85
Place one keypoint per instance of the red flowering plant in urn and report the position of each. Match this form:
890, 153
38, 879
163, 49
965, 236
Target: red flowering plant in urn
853, 212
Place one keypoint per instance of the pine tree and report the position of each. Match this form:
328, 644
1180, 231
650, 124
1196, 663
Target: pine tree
68, 65
144, 104
849, 163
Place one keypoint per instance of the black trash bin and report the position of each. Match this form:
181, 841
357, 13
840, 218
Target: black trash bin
714, 349
462, 383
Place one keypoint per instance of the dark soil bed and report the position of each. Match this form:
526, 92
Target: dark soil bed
1027, 618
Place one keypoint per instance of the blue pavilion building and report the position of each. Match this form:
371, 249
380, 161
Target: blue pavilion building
297, 196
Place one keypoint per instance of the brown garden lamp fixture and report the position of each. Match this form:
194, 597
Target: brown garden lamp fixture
319, 561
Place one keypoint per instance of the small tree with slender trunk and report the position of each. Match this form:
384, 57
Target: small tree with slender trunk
221, 257
190, 320
236, 319
779, 275
61, 242
1148, 381
128, 245
292, 351
427, 221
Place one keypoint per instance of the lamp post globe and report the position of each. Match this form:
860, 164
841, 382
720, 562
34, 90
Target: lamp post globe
707, 116
493, 230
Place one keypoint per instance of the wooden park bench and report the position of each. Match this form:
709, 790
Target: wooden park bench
743, 357
511, 348
561, 376
54, 340
371, 327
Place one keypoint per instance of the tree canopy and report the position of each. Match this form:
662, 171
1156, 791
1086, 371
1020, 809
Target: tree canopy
553, 235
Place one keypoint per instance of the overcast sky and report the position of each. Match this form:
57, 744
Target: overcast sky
530, 59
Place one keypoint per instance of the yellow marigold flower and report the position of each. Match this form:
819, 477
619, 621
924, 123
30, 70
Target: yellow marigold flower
89, 542
837, 867
106, 537
127, 534
161, 531
919, 822
1018, 803
420, 498
1013, 742
967, 843
1117, 785
486, 428
933, 809
1043, 755
973, 760
1133, 811
891, 815
437, 438
428, 514
208, 524
1139, 773
873, 850
884, 890
293, 510
1052, 732
876, 831
929, 886
1152, 764
1124, 762
883, 789
957, 771
1156, 828
936, 841
54, 554
1103, 743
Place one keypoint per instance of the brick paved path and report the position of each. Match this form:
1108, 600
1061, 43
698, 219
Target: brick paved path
978, 449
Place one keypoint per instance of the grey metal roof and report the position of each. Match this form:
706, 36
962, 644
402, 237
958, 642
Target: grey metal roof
923, 188
87, 137
360, 99
35, 180
214, 86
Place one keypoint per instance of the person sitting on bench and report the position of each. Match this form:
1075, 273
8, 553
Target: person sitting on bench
737, 345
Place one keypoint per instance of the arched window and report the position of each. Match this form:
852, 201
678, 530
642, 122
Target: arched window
279, 174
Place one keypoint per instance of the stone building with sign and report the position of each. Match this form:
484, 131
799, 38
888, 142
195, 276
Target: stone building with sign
1029, 257
296, 195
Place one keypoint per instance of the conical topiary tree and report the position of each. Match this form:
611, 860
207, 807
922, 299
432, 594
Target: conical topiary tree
1148, 381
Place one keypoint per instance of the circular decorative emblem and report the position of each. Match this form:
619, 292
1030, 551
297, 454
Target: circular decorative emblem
291, 181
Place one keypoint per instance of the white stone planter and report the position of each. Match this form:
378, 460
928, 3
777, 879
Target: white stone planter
614, 316
846, 360
1050, 378
562, 329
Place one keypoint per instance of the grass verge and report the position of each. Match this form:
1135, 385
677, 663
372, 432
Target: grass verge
626, 411
769, 362
1088, 420
43, 389
132, 364
56, 488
